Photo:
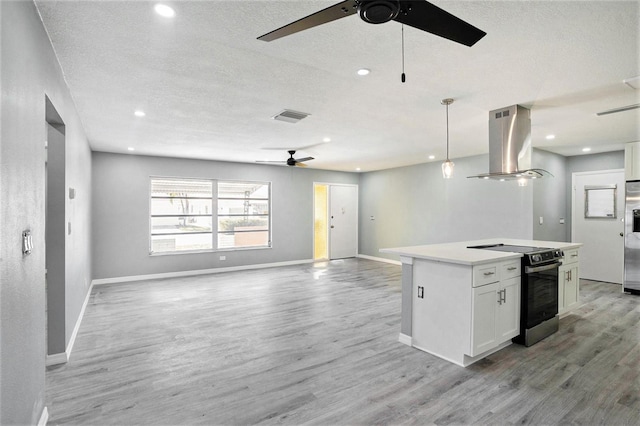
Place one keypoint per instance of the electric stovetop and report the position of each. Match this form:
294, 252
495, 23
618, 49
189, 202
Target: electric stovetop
510, 248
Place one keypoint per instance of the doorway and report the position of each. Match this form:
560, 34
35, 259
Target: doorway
598, 223
55, 236
335, 221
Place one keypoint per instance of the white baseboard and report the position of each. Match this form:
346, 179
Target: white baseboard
403, 338
63, 358
380, 259
179, 274
55, 359
44, 417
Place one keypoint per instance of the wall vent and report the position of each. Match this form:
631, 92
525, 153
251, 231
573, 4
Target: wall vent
290, 116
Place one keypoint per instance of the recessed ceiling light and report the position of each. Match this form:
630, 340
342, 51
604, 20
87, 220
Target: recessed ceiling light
357, 169
432, 157
131, 148
549, 137
364, 71
139, 113
587, 149
326, 140
164, 10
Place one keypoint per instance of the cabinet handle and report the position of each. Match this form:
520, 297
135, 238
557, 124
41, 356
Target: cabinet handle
511, 268
486, 274
502, 296
574, 255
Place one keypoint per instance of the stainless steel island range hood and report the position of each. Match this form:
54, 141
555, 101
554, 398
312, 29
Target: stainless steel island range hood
510, 145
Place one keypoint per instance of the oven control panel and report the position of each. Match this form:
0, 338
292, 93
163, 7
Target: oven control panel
544, 256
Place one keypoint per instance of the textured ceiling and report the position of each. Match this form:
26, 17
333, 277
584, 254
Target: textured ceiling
209, 88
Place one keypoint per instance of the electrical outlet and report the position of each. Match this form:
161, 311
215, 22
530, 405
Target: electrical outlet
223, 257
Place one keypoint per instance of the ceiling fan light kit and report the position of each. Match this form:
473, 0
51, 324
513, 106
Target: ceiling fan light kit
447, 166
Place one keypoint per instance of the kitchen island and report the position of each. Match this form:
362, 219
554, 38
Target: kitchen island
463, 304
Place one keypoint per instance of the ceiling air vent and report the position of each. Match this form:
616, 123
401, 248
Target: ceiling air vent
290, 116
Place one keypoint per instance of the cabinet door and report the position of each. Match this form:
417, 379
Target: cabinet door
485, 303
571, 287
508, 325
568, 287
562, 283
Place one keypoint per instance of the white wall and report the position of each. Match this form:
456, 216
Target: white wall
121, 213
550, 198
29, 72
414, 205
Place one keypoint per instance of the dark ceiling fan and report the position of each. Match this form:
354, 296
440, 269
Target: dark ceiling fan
290, 161
419, 14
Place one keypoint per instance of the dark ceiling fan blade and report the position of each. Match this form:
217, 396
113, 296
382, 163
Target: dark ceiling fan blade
300, 160
329, 14
430, 18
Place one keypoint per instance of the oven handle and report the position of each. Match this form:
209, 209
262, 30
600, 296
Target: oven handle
532, 269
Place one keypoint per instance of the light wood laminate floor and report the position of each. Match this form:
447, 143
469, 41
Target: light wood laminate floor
318, 344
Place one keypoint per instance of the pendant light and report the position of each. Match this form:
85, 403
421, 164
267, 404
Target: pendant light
447, 166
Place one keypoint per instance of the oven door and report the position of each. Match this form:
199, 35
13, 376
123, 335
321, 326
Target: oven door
540, 294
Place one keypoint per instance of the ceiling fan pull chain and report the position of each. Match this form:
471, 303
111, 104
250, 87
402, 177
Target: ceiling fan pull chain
403, 77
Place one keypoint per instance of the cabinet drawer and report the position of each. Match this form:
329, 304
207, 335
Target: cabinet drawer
510, 270
485, 274
571, 256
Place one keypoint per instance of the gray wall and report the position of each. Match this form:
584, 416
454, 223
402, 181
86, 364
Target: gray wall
550, 198
589, 163
29, 72
121, 213
415, 205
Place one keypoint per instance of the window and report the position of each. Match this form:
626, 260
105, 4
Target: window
186, 214
243, 214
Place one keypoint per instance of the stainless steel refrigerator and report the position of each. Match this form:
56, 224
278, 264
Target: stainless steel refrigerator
632, 238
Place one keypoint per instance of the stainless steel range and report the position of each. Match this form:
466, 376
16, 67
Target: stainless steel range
539, 301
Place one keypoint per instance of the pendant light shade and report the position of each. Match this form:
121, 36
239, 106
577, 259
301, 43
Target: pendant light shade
447, 166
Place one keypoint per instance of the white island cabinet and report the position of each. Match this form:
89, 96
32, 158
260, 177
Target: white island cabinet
462, 304
568, 283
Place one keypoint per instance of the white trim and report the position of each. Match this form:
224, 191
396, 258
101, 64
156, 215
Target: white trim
55, 359
74, 334
404, 339
380, 259
197, 272
63, 357
44, 417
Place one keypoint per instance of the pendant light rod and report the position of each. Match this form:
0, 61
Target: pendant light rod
447, 166
447, 102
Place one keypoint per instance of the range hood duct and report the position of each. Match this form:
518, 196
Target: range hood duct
510, 145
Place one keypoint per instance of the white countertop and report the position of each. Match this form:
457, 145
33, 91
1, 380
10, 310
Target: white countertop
460, 254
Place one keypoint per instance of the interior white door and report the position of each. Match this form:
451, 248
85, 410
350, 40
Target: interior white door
602, 255
343, 220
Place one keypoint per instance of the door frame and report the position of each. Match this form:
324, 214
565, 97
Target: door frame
573, 198
329, 185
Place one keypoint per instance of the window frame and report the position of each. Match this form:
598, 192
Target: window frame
213, 215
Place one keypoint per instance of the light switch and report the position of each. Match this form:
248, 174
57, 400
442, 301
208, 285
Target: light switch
72, 193
562, 221
541, 220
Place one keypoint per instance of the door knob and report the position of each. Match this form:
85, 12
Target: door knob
332, 226
621, 234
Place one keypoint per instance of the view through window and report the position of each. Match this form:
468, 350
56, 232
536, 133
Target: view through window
186, 214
